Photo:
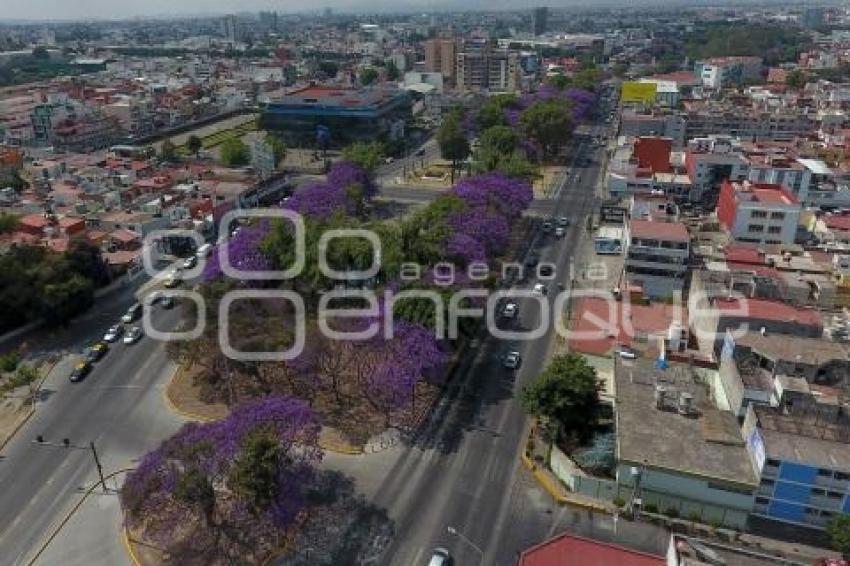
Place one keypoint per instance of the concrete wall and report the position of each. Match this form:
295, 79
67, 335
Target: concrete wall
691, 495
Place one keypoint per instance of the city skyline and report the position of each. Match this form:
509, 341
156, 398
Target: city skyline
23, 11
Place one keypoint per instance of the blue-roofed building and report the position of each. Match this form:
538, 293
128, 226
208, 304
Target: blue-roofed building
347, 114
801, 454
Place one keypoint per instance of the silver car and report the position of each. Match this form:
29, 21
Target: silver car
512, 360
134, 334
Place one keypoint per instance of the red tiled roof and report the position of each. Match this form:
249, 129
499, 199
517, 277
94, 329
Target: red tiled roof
743, 253
123, 235
600, 325
838, 222
762, 309
671, 231
572, 550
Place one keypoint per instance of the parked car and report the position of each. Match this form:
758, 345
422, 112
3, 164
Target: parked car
80, 371
190, 262
563, 221
133, 313
512, 360
114, 333
420, 152
440, 557
167, 301
133, 335
540, 289
511, 310
547, 226
560, 232
97, 351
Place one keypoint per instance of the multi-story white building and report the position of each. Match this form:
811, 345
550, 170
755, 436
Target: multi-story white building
720, 72
758, 213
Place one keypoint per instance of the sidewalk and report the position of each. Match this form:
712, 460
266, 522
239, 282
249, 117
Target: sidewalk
553, 486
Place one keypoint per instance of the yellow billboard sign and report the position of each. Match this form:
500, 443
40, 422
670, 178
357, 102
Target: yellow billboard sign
633, 91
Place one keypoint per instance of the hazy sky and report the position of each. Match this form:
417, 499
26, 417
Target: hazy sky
88, 9
99, 9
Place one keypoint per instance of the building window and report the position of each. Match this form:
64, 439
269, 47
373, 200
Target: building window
834, 495
777, 215
824, 473
762, 500
774, 229
772, 462
758, 214
767, 482
755, 228
842, 476
818, 491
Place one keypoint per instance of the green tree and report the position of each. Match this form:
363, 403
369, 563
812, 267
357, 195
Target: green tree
565, 396
549, 123
278, 147
796, 79
452, 141
501, 139
193, 488
66, 298
194, 144
393, 74
492, 112
369, 156
368, 75
8, 223
254, 476
560, 82
234, 153
167, 151
424, 234
838, 530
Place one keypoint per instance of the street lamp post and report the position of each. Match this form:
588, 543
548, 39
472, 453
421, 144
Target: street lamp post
39, 441
460, 535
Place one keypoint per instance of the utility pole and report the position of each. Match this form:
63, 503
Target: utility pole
66, 443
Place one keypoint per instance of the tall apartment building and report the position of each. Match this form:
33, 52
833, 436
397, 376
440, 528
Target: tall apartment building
229, 28
441, 57
480, 67
539, 20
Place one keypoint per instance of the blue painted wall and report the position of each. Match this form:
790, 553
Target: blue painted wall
787, 511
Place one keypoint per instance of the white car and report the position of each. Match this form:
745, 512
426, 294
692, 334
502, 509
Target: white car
190, 262
512, 360
132, 314
560, 232
540, 289
511, 310
133, 335
113, 334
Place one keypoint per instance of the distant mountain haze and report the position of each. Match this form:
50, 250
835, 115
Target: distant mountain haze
29, 10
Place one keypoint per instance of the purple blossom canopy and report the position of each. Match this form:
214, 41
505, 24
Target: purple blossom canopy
345, 174
319, 201
211, 450
412, 354
244, 251
496, 191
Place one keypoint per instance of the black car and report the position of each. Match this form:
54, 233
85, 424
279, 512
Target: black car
80, 371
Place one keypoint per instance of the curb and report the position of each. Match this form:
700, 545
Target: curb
128, 547
17, 429
26, 419
344, 451
554, 492
180, 412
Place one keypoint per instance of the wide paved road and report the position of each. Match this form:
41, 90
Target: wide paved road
120, 407
465, 473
